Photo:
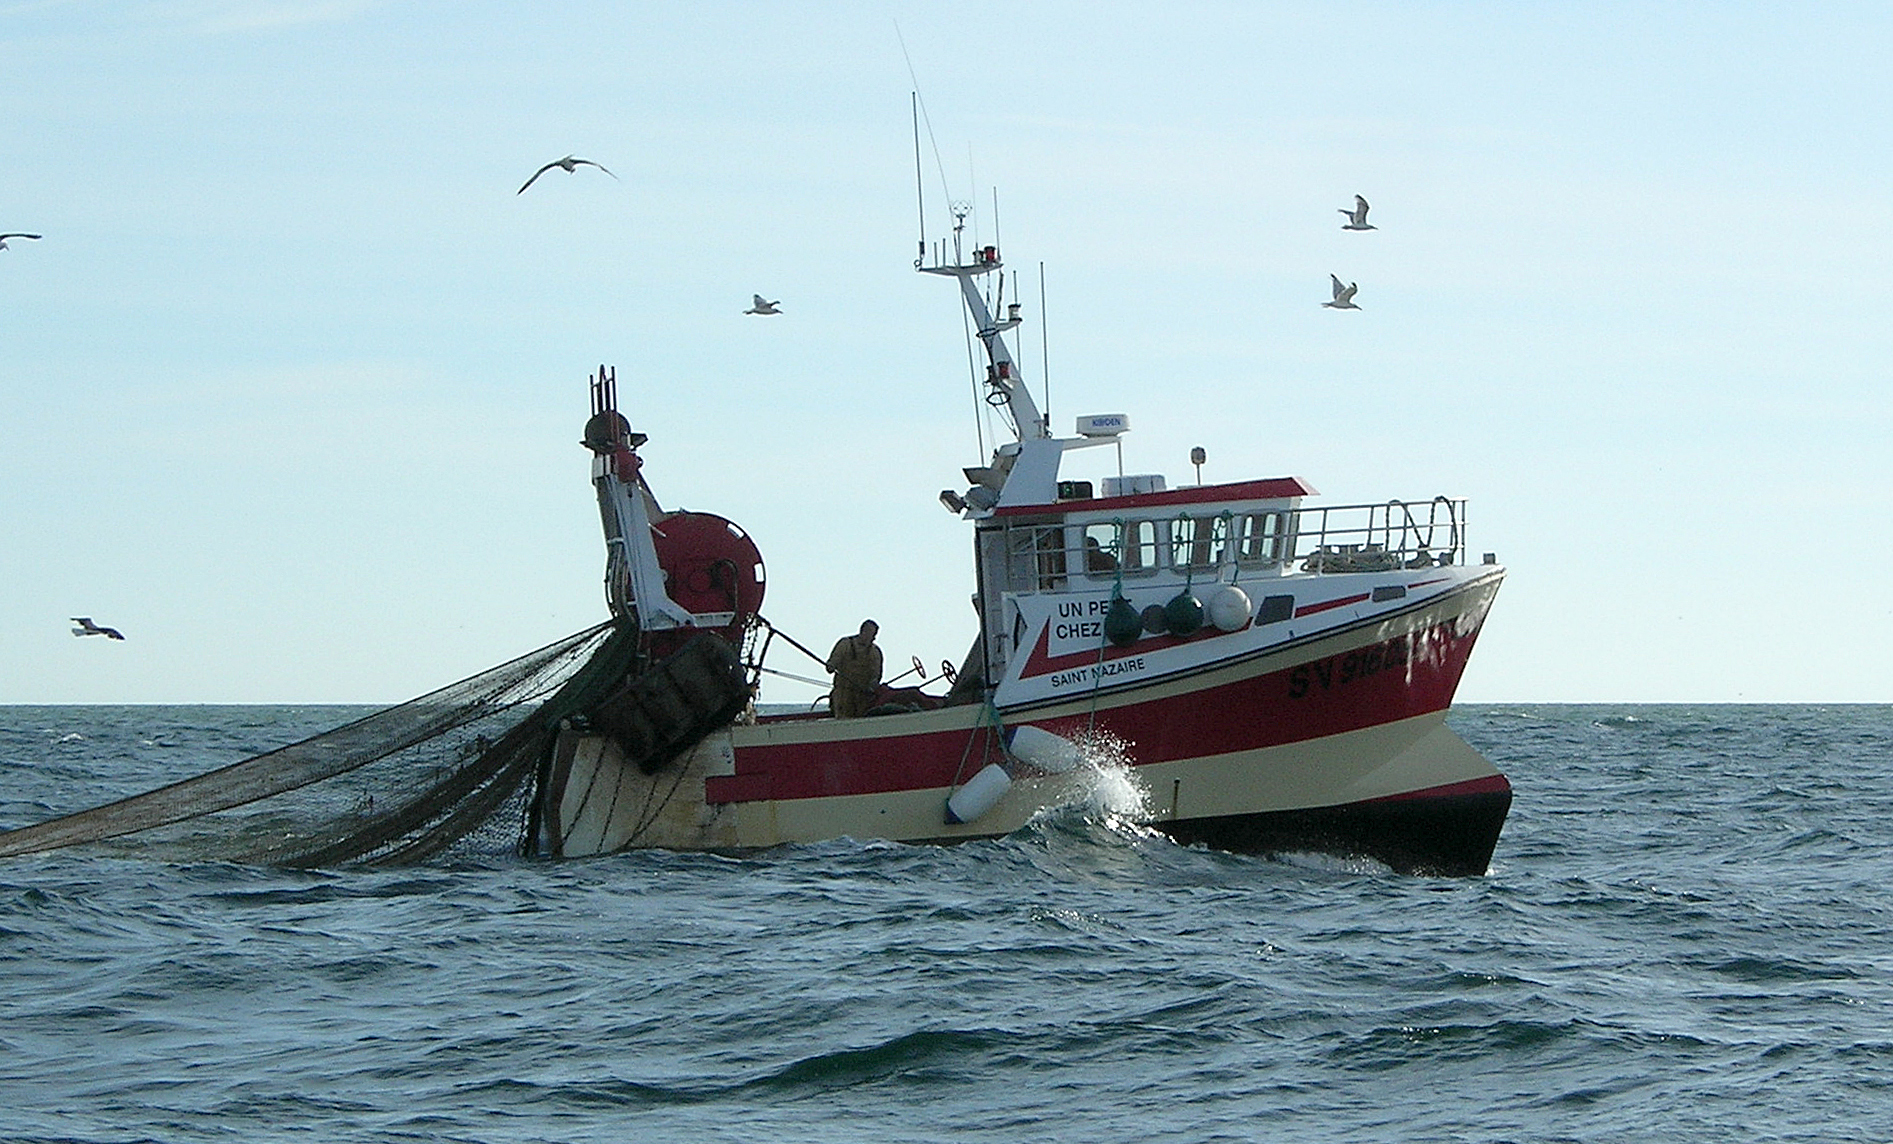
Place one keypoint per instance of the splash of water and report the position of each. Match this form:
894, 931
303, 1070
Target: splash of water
1111, 786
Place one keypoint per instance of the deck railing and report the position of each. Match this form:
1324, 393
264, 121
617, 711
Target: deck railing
1039, 555
1378, 537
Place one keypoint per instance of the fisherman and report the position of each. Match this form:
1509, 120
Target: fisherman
856, 665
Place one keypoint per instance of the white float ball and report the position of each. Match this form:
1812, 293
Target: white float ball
1229, 608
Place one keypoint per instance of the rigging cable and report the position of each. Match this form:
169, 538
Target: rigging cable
791, 640
920, 199
924, 117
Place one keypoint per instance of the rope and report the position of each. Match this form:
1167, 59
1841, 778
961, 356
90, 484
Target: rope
1189, 569
649, 814
1117, 554
1227, 520
1117, 593
987, 709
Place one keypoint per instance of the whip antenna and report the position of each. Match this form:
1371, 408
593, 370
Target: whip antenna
920, 199
1045, 353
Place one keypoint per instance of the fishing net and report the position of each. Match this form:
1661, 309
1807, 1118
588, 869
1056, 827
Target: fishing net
450, 772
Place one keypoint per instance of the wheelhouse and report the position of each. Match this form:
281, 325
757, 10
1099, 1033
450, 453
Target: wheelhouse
1142, 539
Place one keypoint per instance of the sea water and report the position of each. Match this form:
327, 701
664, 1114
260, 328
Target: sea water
1686, 934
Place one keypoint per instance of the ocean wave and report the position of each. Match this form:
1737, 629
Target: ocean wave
1682, 928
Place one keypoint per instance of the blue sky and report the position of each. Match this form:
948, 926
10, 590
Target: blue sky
291, 390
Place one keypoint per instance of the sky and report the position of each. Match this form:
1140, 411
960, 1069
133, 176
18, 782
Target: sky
292, 388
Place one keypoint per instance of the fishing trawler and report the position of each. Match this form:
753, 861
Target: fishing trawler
1274, 672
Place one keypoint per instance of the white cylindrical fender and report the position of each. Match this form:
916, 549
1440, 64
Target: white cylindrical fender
1229, 608
1051, 753
979, 794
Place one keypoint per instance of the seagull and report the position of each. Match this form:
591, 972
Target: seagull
1357, 218
1343, 295
568, 164
88, 628
761, 306
15, 234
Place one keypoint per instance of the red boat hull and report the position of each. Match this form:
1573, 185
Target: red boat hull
1334, 743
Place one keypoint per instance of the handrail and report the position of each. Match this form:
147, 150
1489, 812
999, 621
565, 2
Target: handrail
1316, 539
1391, 535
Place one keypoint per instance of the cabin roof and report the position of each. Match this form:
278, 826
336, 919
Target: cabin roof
1272, 488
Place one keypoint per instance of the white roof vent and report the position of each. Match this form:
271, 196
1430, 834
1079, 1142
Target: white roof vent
1104, 424
1133, 485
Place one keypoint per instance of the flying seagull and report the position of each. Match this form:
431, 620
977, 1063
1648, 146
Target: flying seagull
761, 306
1357, 218
1343, 295
15, 234
88, 628
567, 164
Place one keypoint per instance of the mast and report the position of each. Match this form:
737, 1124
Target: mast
1005, 383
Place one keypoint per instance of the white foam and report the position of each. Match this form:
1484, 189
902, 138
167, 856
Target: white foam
1111, 784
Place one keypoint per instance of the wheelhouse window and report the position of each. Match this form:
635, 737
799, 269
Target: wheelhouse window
1140, 546
1112, 546
1262, 538
1102, 543
1035, 557
1198, 542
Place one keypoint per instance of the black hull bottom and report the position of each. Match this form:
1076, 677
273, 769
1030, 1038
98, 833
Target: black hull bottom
1450, 836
